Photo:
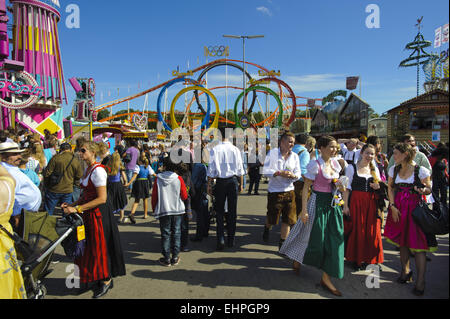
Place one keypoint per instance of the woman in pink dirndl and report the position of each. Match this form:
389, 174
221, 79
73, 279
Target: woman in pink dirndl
405, 193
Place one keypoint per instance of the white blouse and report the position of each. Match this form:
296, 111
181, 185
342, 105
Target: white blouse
99, 178
423, 173
350, 172
137, 169
313, 169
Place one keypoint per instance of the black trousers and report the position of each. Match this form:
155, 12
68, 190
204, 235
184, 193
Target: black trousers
440, 189
254, 181
200, 206
226, 190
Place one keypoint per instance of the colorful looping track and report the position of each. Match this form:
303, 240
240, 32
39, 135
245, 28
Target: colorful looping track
282, 116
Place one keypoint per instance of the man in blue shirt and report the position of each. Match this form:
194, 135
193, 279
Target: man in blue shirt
303, 154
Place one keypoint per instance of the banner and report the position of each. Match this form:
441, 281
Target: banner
444, 37
437, 37
311, 103
352, 82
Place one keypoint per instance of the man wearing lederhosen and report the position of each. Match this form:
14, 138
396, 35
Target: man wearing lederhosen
282, 166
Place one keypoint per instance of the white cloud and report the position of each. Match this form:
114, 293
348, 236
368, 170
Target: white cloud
264, 10
316, 82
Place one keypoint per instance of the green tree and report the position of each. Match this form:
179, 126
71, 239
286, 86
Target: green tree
372, 113
103, 114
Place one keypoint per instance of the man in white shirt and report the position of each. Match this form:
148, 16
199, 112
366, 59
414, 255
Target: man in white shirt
350, 149
27, 195
227, 169
282, 167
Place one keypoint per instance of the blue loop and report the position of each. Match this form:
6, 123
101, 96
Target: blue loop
205, 123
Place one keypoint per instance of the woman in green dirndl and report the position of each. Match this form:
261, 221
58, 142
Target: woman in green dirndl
326, 242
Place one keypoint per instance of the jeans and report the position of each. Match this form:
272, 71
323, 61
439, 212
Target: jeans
53, 199
226, 190
76, 193
170, 235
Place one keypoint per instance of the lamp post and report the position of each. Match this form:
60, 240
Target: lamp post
243, 37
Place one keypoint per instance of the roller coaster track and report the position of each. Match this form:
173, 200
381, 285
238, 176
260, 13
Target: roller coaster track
135, 96
205, 66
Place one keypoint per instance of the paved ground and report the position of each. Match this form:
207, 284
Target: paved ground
250, 270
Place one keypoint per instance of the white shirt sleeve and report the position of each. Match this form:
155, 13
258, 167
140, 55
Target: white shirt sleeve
150, 169
99, 177
424, 172
312, 170
137, 169
349, 172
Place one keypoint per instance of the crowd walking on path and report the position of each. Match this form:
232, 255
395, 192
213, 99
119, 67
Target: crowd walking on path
331, 197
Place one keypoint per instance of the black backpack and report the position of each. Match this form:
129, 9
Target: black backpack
55, 177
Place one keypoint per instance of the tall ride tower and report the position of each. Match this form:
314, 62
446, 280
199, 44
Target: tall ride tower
36, 51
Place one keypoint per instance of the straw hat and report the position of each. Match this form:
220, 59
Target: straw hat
10, 147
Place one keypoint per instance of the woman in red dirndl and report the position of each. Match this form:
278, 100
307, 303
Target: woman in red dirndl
364, 245
93, 265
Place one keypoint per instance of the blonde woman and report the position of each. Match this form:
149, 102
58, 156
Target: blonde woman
116, 190
103, 258
37, 161
141, 189
364, 245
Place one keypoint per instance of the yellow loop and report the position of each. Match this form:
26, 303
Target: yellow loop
215, 123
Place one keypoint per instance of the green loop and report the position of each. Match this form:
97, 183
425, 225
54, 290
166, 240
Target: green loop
261, 88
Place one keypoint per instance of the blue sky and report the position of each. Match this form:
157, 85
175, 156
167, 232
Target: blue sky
315, 44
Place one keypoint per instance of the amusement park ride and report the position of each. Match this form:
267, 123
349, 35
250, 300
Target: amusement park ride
32, 87
281, 115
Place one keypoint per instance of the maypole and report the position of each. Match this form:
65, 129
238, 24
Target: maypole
418, 56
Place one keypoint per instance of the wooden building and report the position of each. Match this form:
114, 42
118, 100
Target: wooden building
341, 119
425, 117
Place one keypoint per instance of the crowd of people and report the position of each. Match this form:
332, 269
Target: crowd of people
331, 196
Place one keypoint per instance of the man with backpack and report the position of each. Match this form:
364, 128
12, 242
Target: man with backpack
61, 174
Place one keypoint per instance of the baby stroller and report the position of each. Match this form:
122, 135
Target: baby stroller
41, 235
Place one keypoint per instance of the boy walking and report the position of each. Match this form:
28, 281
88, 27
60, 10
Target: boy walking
169, 192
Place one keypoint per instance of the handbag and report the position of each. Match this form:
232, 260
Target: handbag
431, 221
75, 244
